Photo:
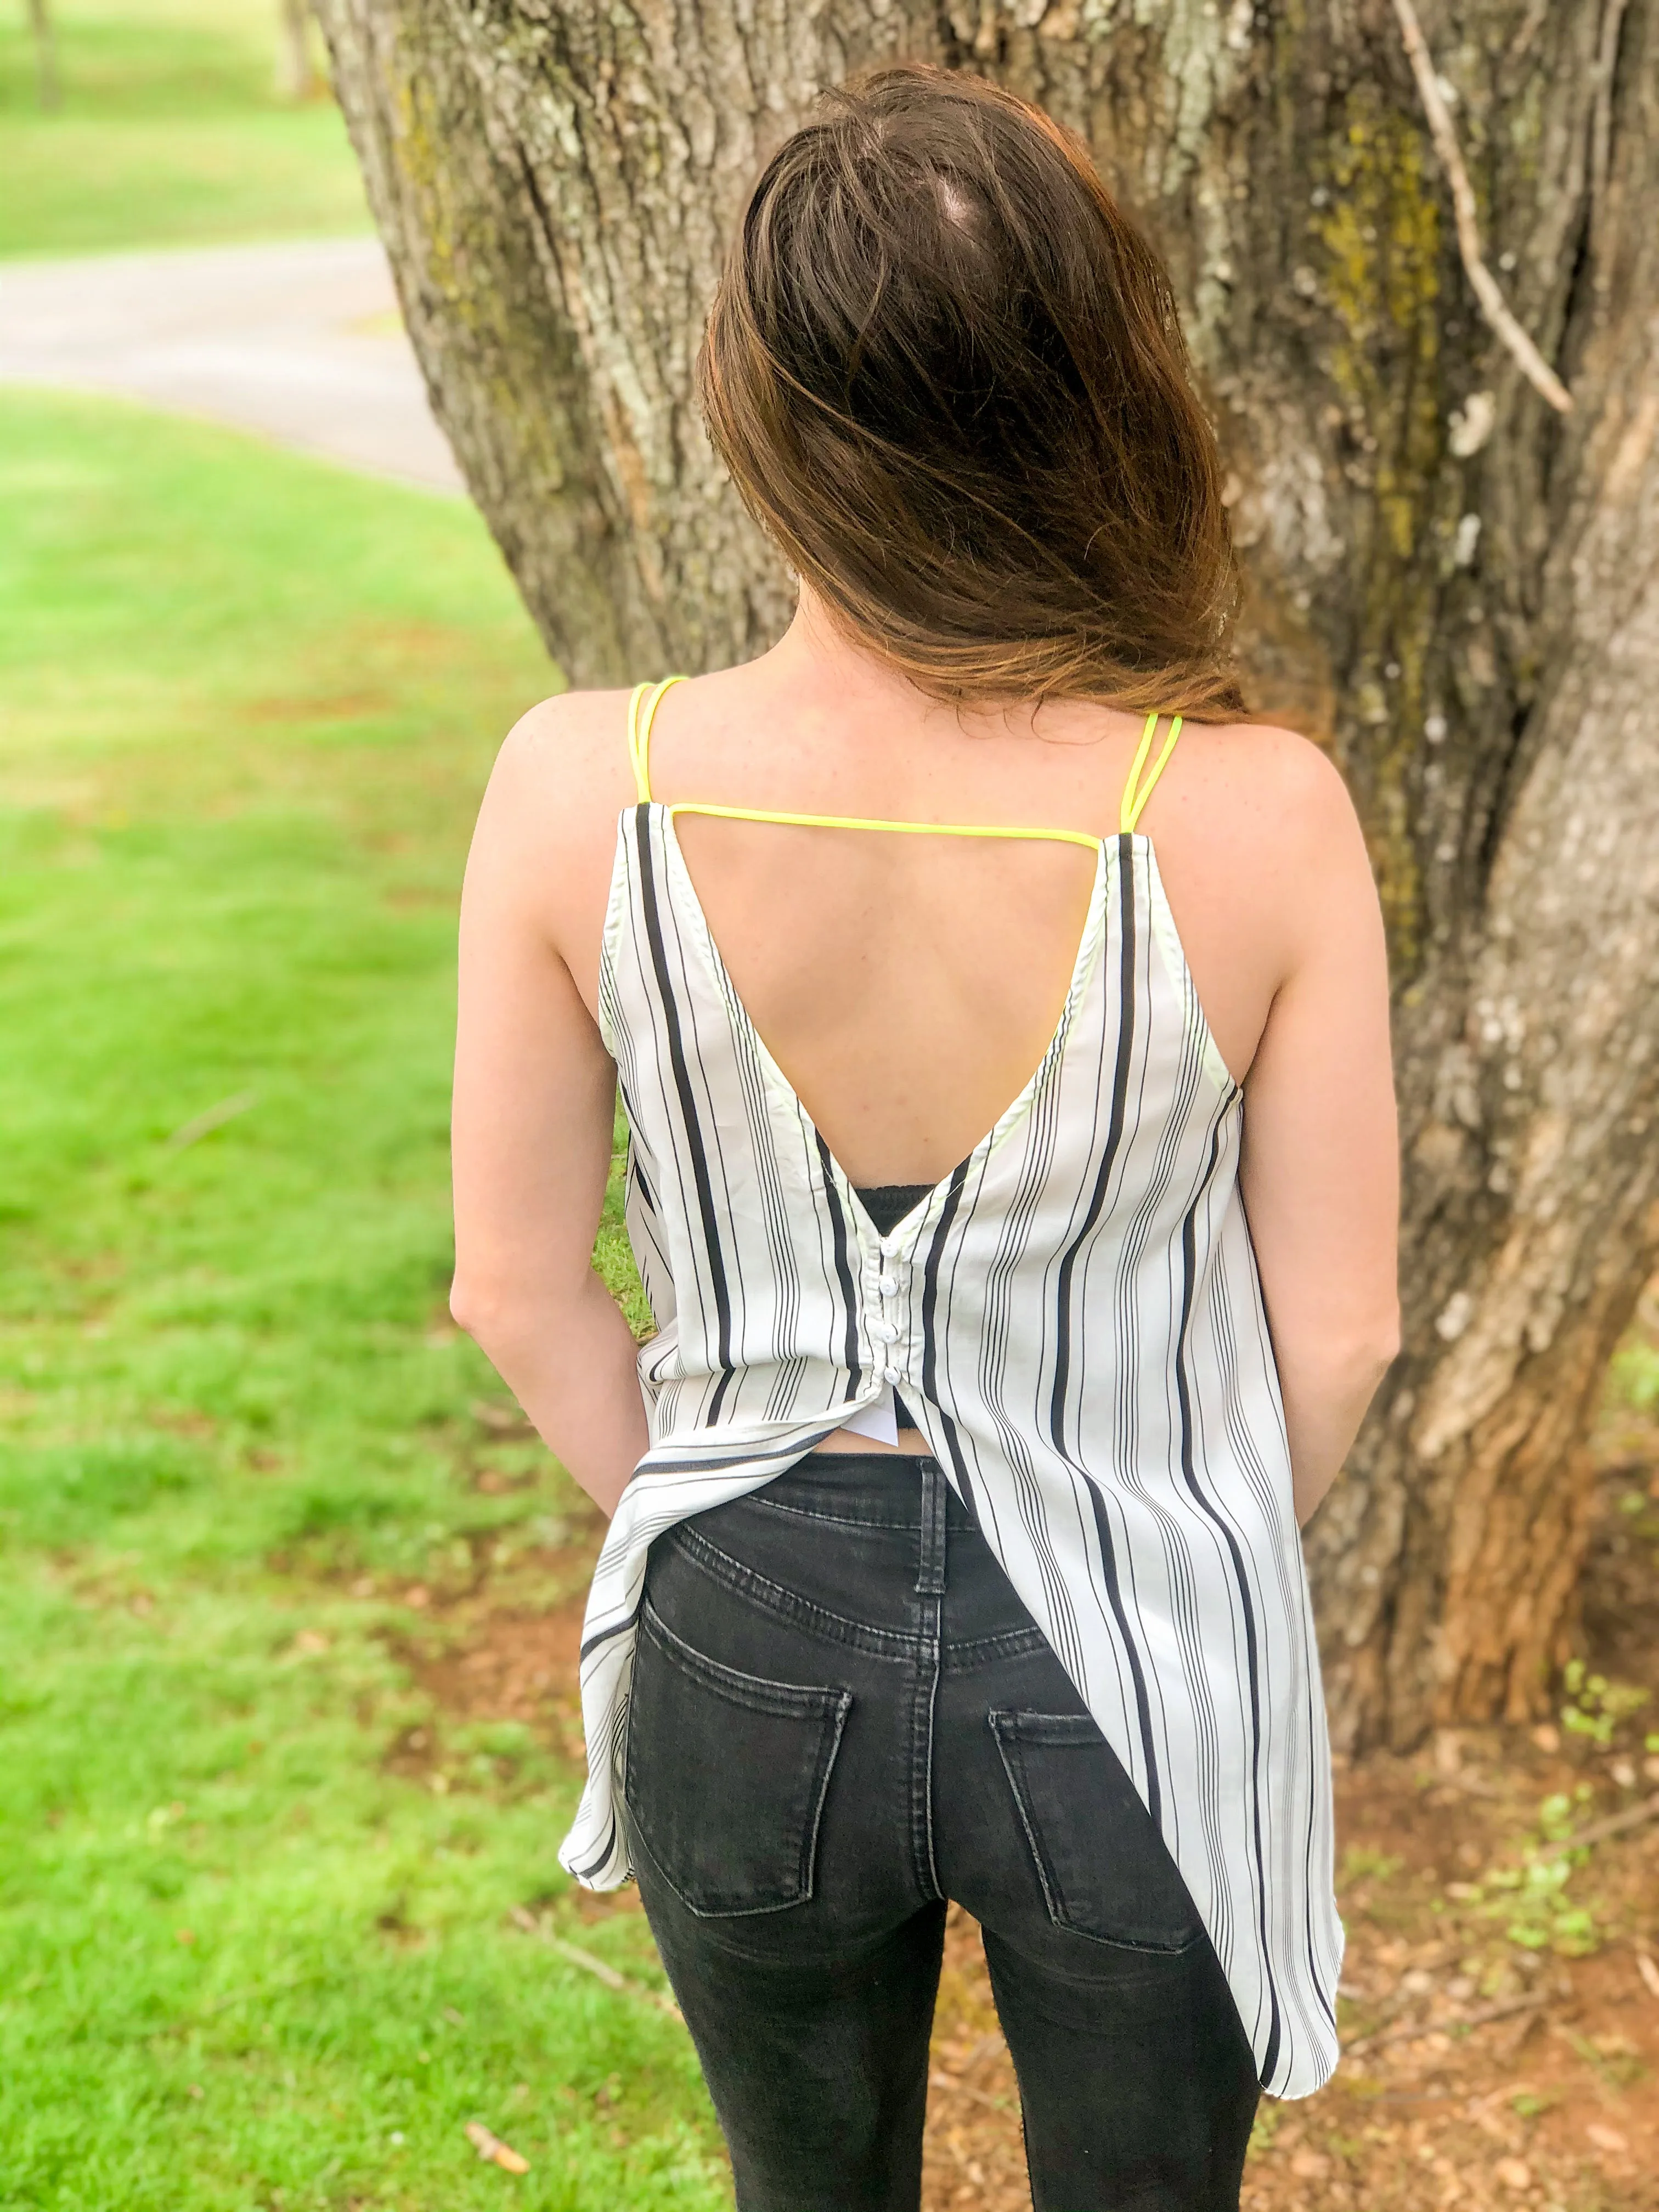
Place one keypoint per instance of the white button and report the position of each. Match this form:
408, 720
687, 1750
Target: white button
891, 1375
888, 1285
883, 1332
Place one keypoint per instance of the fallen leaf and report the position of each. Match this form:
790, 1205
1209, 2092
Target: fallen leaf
1310, 2166
1648, 1971
491, 2149
1606, 2138
1514, 2173
311, 1640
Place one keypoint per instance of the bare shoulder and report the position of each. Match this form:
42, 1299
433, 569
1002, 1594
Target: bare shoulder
571, 747
1261, 854
1259, 780
559, 781
1305, 780
546, 837
1291, 766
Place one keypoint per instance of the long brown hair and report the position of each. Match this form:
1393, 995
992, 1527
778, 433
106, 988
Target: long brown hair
947, 373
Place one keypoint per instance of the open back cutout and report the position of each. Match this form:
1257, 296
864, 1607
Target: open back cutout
891, 982
907, 989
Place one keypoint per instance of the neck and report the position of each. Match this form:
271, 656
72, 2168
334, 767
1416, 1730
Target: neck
816, 654
824, 666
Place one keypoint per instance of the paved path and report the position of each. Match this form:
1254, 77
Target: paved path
300, 341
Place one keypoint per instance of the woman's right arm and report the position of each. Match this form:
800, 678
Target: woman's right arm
534, 1111
1321, 1169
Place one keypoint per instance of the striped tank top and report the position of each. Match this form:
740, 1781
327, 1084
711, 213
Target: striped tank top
1073, 1318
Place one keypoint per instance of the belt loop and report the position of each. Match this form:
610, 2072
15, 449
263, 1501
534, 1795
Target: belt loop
935, 1499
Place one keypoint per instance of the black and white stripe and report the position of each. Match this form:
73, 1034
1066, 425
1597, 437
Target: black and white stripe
1077, 1329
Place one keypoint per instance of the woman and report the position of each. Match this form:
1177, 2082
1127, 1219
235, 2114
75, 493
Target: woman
1001, 1027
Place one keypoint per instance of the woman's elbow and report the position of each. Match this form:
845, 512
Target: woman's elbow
1373, 1350
1385, 1337
1353, 1357
480, 1307
501, 1310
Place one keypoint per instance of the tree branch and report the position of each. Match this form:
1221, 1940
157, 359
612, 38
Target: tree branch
1494, 304
599, 1968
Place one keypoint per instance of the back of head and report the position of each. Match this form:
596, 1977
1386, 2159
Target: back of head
946, 374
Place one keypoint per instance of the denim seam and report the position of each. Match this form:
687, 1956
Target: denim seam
993, 1721
931, 1581
1056, 1902
782, 1700
984, 1651
809, 1858
896, 1645
1063, 1728
923, 1707
836, 1520
888, 1643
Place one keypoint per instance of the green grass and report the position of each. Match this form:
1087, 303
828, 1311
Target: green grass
245, 1945
170, 132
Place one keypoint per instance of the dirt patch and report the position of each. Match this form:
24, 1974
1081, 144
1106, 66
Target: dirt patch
493, 1653
325, 707
521, 1667
511, 1672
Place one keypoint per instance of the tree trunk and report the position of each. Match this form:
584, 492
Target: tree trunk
48, 85
1452, 585
293, 78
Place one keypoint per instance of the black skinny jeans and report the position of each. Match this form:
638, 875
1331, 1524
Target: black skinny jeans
843, 1715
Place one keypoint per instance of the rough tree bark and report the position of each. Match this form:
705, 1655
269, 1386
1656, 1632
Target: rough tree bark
1455, 588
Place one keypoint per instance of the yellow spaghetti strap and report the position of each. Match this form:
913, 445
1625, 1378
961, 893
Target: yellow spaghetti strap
642, 705
895, 829
642, 781
647, 697
1136, 793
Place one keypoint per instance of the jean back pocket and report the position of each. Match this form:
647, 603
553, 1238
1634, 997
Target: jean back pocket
726, 1775
1104, 1868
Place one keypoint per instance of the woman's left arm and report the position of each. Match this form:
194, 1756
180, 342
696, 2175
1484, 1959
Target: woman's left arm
534, 1111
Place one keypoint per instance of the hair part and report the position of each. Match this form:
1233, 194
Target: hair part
946, 374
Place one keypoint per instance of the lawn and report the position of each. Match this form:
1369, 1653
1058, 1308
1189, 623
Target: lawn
170, 132
256, 1943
